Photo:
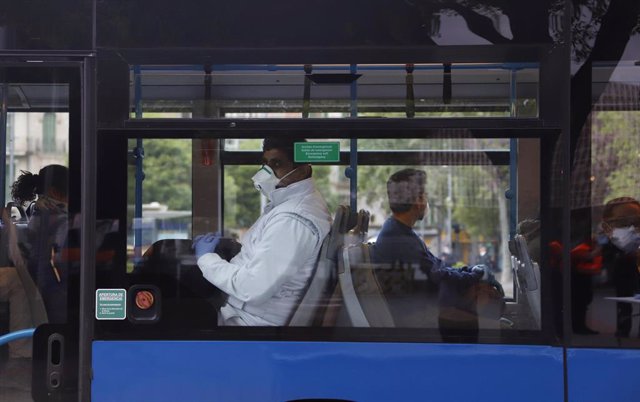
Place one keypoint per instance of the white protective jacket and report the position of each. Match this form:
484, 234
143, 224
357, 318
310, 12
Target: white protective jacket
267, 279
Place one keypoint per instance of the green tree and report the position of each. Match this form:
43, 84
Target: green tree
617, 157
167, 169
242, 201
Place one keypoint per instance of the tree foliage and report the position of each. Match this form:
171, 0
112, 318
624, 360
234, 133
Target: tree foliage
618, 158
167, 169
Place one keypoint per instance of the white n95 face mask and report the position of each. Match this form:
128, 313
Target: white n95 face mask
626, 239
265, 181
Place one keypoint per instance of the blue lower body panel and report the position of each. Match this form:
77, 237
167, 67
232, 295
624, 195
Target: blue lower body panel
596, 375
169, 371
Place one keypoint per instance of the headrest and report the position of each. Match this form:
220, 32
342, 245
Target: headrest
339, 227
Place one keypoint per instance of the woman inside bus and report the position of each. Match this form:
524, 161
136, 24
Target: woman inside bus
47, 234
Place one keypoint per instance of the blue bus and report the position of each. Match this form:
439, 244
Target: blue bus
524, 118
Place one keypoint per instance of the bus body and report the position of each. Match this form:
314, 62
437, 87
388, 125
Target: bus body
525, 121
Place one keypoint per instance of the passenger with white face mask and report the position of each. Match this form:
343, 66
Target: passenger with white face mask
267, 279
621, 224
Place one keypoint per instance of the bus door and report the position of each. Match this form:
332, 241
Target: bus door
40, 134
360, 329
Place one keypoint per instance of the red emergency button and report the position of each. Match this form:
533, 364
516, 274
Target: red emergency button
144, 299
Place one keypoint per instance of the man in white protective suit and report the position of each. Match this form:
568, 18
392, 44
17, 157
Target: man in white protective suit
266, 280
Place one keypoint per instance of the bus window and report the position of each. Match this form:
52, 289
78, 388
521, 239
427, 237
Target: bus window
165, 197
472, 229
39, 265
324, 91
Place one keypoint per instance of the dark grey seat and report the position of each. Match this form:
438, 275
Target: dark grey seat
527, 274
320, 298
364, 301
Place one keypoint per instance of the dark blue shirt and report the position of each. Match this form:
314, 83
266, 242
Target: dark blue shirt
398, 245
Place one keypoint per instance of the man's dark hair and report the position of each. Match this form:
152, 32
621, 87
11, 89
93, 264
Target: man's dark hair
404, 188
607, 212
283, 143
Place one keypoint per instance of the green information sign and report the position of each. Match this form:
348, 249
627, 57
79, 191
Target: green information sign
316, 152
111, 304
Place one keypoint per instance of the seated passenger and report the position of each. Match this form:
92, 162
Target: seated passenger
398, 245
12, 291
267, 279
47, 235
620, 255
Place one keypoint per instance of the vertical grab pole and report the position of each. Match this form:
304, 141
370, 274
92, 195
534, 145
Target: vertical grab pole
410, 101
138, 154
306, 96
513, 161
353, 154
3, 139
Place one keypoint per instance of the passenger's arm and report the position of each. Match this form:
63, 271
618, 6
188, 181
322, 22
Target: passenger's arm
439, 272
288, 242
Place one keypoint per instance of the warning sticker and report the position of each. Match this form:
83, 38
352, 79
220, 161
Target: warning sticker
111, 304
316, 152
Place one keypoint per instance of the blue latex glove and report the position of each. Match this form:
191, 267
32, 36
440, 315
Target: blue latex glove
494, 282
488, 277
204, 244
482, 271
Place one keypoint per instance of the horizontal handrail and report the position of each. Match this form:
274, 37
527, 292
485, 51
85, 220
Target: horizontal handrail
14, 336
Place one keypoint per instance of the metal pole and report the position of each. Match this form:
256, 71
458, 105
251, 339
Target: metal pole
3, 139
513, 162
12, 151
449, 242
306, 96
138, 154
353, 154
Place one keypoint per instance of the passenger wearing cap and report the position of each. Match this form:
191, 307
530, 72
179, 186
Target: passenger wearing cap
266, 280
398, 245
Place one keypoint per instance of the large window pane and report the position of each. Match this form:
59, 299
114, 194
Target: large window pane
39, 251
471, 220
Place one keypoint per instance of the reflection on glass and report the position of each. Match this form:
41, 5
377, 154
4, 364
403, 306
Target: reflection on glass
468, 222
166, 203
42, 25
336, 91
396, 24
39, 252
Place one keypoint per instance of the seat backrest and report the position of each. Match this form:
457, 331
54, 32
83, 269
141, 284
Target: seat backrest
317, 296
525, 268
527, 273
363, 298
359, 231
339, 228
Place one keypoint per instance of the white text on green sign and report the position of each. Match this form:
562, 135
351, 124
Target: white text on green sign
111, 304
316, 152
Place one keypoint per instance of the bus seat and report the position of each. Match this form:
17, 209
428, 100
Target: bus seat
359, 231
527, 274
318, 299
364, 301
